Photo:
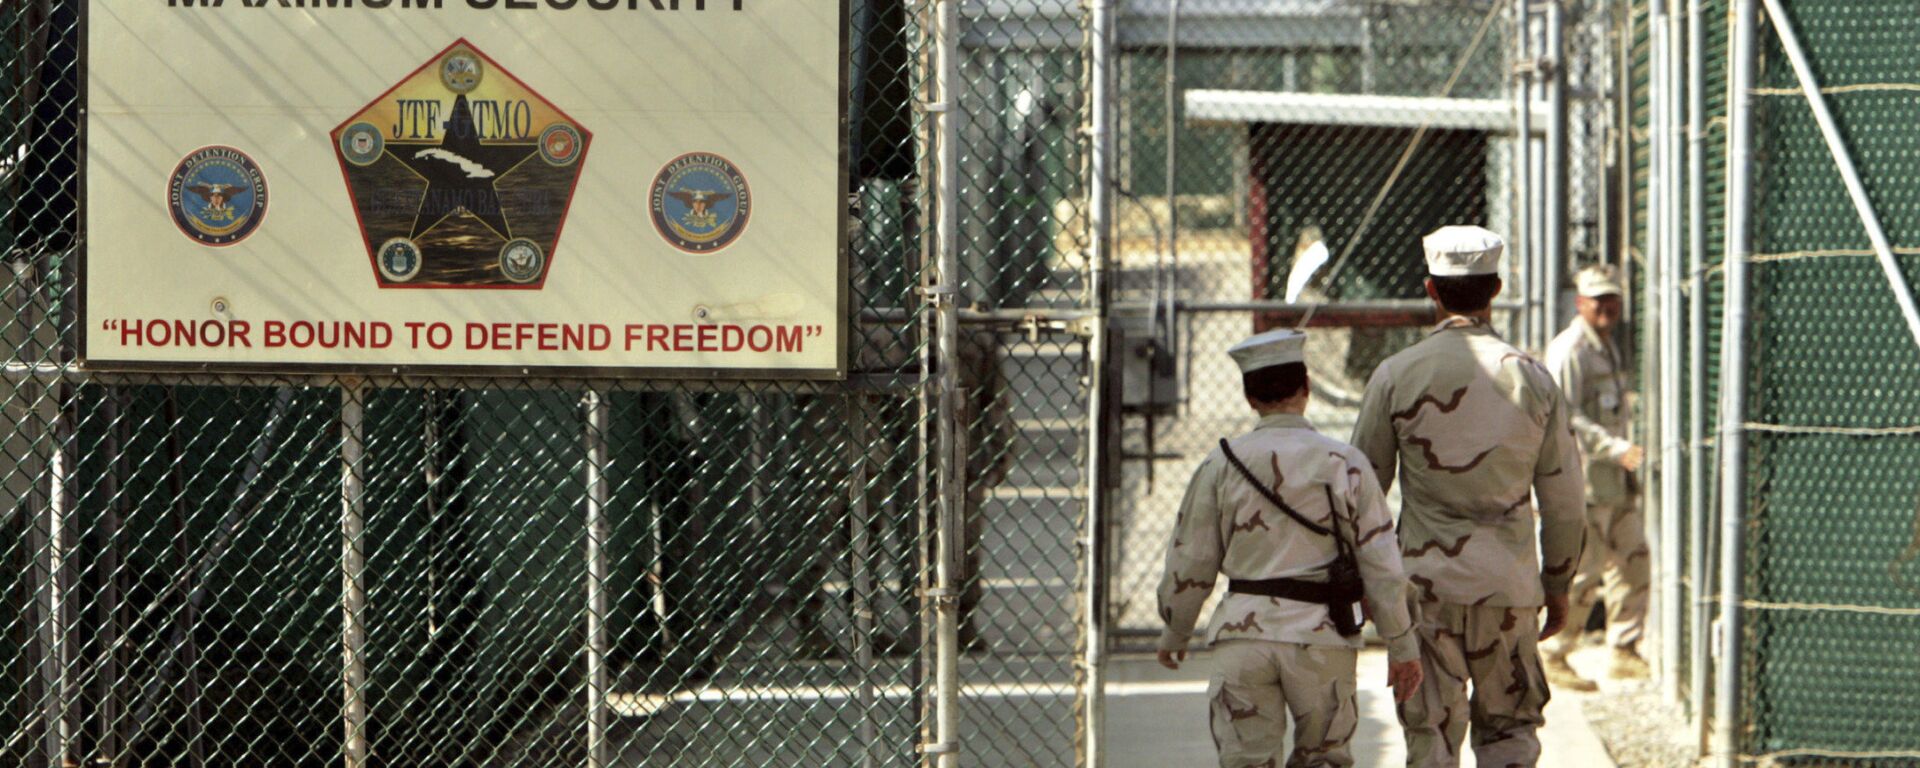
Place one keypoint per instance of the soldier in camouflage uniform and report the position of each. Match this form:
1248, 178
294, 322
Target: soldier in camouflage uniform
1591, 375
1476, 430
1277, 654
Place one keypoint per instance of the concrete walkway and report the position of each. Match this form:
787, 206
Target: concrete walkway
1158, 718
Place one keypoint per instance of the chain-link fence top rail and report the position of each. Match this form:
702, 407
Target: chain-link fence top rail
174, 544
1832, 513
1293, 126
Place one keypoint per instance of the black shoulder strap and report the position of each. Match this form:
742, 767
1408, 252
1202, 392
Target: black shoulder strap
1271, 496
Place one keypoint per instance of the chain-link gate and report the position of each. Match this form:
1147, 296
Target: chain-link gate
1315, 145
225, 569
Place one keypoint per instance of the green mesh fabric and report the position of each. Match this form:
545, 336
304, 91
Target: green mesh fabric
1831, 518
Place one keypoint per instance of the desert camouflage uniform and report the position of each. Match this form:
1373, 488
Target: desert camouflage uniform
1476, 429
1587, 366
1270, 652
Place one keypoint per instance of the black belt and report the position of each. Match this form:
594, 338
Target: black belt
1301, 590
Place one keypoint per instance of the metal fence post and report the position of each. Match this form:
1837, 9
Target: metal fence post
860, 581
1169, 291
1673, 457
353, 634
948, 533
598, 417
1733, 378
111, 612
1531, 332
1105, 46
1554, 242
58, 618
1697, 476
1653, 332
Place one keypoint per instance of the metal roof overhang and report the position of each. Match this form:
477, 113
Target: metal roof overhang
1213, 24
1490, 115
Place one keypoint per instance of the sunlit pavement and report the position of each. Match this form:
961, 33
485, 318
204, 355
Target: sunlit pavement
1158, 718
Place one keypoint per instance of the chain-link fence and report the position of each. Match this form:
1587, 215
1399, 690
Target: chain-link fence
1789, 654
1828, 594
1314, 145
240, 570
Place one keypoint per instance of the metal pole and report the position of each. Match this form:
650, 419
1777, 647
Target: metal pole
353, 633
31, 425
1530, 332
59, 612
599, 414
1673, 449
111, 613
1697, 476
950, 541
860, 602
1173, 156
1733, 379
1093, 535
1651, 431
1843, 160
1554, 250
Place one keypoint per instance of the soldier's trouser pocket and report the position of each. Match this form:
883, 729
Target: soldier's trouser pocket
1245, 709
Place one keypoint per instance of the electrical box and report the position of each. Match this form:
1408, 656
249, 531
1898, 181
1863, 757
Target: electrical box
1144, 352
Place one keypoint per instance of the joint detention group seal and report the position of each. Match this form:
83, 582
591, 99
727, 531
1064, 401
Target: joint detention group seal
217, 196
700, 202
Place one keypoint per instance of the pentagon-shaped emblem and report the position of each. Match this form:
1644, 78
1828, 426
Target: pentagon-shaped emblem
461, 176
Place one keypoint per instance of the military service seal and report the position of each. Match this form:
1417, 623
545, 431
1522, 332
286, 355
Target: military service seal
521, 260
399, 260
560, 144
362, 144
217, 196
700, 202
460, 71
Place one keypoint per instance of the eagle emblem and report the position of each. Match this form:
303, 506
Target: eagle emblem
700, 202
217, 196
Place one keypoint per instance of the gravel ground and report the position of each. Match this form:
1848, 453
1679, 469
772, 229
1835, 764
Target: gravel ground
1639, 729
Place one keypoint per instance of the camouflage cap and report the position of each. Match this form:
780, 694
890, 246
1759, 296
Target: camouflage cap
1597, 280
1265, 350
1463, 250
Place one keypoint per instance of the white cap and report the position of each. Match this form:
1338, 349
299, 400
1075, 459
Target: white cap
1457, 251
1597, 280
1265, 350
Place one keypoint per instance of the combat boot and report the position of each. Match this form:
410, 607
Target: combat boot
1627, 665
1561, 675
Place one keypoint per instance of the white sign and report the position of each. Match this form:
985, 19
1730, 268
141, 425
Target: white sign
567, 186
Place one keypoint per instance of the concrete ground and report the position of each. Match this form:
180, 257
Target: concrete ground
1158, 718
